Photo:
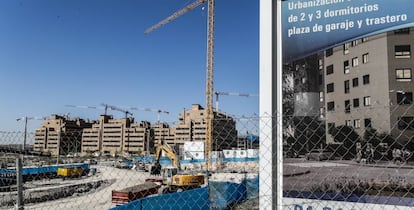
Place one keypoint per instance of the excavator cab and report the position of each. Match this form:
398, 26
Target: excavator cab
167, 174
173, 181
162, 146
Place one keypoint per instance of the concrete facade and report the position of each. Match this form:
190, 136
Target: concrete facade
307, 120
116, 136
124, 136
362, 89
192, 126
60, 132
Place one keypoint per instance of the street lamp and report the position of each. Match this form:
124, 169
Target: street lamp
25, 128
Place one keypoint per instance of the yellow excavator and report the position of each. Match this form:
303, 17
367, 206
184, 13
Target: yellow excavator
173, 179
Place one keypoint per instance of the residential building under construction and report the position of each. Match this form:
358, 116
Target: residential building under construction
125, 136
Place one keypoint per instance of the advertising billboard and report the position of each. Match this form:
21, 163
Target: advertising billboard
346, 67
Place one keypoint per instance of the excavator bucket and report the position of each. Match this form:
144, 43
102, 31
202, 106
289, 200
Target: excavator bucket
156, 169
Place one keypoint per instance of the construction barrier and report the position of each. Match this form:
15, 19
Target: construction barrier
191, 199
219, 195
224, 194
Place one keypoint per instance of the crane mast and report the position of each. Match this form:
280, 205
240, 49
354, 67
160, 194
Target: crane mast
209, 67
209, 83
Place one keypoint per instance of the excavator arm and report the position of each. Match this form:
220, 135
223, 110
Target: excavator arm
156, 168
171, 154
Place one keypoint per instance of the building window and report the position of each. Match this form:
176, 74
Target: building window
355, 62
331, 106
348, 123
347, 106
356, 42
329, 69
403, 75
320, 64
404, 98
321, 113
356, 102
365, 58
402, 31
406, 123
357, 123
402, 51
355, 82
346, 67
329, 52
330, 88
365, 79
346, 48
367, 123
367, 101
346, 86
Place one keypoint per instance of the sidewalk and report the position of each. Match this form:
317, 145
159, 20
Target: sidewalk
379, 164
290, 171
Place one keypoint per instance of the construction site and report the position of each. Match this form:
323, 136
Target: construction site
148, 167
136, 182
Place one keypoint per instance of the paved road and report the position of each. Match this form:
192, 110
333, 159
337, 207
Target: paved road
328, 172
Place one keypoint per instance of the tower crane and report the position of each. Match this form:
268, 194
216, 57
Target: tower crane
230, 94
105, 107
25, 119
126, 112
90, 107
209, 67
159, 111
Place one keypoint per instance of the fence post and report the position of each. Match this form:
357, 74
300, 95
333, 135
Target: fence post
19, 182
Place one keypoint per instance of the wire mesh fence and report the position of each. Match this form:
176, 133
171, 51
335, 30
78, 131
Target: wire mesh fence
323, 166
61, 168
359, 155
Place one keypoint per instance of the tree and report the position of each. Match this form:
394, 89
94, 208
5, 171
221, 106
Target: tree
370, 136
348, 137
309, 134
287, 99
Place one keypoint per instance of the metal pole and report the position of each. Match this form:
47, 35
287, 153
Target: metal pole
148, 139
58, 148
19, 182
25, 133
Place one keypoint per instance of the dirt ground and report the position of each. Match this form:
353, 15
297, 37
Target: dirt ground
100, 198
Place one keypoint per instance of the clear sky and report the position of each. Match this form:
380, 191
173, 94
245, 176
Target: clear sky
87, 52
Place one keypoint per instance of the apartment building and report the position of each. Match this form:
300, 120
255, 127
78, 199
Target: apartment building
116, 136
162, 132
304, 115
107, 135
60, 135
368, 84
192, 126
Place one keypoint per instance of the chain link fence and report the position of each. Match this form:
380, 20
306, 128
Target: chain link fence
58, 174
361, 155
322, 167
